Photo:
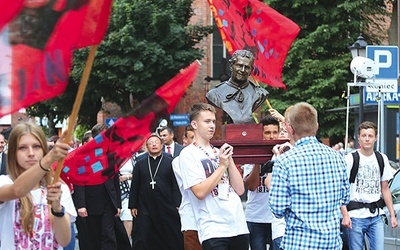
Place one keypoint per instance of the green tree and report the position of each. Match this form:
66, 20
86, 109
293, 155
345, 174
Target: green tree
147, 43
317, 67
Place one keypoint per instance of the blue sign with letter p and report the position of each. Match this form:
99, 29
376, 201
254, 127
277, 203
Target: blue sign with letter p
386, 59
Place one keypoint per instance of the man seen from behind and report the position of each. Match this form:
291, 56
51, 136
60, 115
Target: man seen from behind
309, 186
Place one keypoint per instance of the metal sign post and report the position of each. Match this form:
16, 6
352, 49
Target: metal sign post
386, 59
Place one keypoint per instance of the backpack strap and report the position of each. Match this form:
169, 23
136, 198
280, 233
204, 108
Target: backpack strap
356, 162
381, 164
354, 168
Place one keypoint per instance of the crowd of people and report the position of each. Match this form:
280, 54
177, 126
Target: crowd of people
172, 196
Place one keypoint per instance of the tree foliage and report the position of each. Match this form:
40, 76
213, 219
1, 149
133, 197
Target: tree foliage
147, 43
317, 66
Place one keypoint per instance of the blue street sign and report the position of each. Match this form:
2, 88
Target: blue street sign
178, 123
179, 117
386, 59
111, 121
388, 98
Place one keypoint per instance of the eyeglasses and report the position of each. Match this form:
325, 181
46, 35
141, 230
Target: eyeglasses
153, 143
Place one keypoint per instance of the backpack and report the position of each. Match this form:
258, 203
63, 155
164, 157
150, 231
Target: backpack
356, 162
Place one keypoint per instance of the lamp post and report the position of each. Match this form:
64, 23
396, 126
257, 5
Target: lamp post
359, 49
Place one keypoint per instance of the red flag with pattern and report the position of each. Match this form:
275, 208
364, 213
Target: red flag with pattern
254, 26
37, 39
97, 161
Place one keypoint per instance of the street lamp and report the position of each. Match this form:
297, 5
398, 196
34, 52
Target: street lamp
359, 49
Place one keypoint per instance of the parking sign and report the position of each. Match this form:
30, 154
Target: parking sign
386, 58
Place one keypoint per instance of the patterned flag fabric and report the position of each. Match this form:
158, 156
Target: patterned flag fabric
254, 26
37, 39
98, 160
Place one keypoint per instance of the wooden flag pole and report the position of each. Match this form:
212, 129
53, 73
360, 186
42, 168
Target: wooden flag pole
269, 105
77, 104
266, 100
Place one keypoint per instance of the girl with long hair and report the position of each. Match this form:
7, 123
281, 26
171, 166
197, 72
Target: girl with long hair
26, 219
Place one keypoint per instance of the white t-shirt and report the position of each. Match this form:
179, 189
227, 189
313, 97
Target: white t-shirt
367, 184
257, 209
278, 227
11, 232
215, 217
125, 213
127, 168
188, 221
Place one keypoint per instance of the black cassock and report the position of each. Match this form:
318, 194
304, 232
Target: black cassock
157, 224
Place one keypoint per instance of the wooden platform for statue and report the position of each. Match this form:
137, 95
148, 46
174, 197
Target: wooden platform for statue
250, 151
242, 132
248, 144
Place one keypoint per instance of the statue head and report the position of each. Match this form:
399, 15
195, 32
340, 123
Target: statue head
241, 65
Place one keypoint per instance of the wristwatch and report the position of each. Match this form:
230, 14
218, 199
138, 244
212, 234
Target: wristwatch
58, 214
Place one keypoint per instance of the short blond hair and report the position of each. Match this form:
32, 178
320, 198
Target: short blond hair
303, 118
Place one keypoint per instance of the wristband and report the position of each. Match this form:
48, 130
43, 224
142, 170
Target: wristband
44, 169
58, 214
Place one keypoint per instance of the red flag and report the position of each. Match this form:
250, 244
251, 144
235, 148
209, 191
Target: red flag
98, 160
37, 39
254, 26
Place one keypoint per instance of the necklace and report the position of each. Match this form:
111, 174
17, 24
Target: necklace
39, 217
215, 159
153, 182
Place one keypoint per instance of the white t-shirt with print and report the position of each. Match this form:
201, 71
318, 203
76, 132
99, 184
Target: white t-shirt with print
367, 185
188, 221
11, 232
215, 217
257, 209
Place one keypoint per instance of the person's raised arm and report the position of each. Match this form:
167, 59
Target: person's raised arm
276, 114
61, 223
253, 179
235, 177
32, 176
204, 188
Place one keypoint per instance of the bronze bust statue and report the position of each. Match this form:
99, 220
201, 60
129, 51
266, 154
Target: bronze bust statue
238, 97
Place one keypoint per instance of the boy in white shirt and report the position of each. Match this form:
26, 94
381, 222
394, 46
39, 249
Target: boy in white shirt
215, 185
363, 215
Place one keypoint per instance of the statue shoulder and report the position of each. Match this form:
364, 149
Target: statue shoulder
258, 88
254, 85
221, 87
220, 84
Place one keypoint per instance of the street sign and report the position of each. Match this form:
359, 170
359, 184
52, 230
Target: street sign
382, 85
178, 123
179, 117
386, 59
388, 98
111, 121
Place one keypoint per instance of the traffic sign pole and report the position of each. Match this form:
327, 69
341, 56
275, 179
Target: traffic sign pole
387, 60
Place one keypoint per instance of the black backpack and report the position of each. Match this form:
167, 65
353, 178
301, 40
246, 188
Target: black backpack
356, 162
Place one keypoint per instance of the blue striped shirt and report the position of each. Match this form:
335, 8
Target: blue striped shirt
309, 185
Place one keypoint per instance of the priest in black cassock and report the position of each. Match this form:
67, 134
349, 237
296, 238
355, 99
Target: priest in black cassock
154, 199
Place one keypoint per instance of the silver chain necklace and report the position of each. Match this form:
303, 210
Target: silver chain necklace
153, 182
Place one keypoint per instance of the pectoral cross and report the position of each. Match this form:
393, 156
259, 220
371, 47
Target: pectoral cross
152, 183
